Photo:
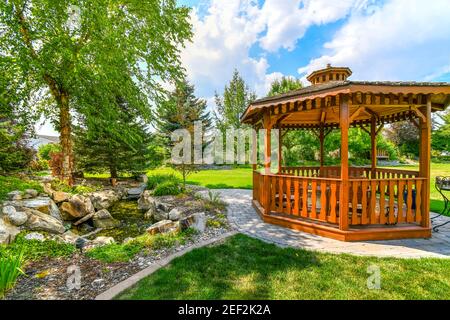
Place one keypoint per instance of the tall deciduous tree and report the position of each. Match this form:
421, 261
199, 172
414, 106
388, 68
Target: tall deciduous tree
441, 136
79, 55
182, 110
232, 104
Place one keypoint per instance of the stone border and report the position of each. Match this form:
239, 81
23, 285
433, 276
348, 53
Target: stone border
129, 282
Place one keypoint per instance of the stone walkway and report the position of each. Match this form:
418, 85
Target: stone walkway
245, 219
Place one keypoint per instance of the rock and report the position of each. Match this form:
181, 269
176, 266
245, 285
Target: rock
146, 201
143, 178
32, 193
48, 189
196, 221
135, 193
38, 221
149, 214
14, 217
160, 215
77, 207
163, 226
85, 228
15, 195
70, 237
103, 219
42, 204
8, 232
164, 206
175, 214
104, 199
128, 240
53, 210
35, 236
84, 219
98, 283
101, 241
59, 196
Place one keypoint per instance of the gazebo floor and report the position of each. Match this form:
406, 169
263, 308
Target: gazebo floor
354, 233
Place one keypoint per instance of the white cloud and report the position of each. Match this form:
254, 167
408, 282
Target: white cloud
401, 40
287, 21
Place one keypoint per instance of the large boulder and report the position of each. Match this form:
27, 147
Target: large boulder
60, 196
104, 199
38, 221
103, 219
146, 201
196, 221
42, 204
54, 211
163, 226
14, 217
77, 207
135, 193
8, 232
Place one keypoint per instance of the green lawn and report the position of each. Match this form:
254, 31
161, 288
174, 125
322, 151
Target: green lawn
246, 268
242, 178
237, 178
8, 184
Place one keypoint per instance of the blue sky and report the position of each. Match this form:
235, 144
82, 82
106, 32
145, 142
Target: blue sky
266, 39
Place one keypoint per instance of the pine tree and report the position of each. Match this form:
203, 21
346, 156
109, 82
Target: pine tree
182, 110
118, 142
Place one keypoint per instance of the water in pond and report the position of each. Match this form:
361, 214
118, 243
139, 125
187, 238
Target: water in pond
132, 222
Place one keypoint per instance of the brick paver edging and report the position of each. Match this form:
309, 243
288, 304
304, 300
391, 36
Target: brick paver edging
129, 282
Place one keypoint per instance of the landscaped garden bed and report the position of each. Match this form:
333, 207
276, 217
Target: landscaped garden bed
105, 233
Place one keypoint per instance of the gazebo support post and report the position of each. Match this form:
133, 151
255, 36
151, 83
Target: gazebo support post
424, 157
267, 125
254, 155
280, 150
321, 138
344, 188
373, 141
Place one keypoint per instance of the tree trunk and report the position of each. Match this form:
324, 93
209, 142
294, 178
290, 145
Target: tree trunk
65, 139
113, 172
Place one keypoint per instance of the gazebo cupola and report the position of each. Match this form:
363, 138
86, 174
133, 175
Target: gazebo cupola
329, 74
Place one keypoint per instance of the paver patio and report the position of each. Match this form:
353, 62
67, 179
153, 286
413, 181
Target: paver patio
245, 220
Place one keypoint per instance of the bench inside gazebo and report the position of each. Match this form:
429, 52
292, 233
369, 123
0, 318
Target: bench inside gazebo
344, 202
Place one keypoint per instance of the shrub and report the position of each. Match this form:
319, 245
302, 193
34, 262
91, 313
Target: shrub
167, 188
155, 179
45, 150
8, 184
10, 270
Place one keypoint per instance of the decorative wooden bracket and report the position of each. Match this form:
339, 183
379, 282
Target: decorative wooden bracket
419, 113
379, 129
356, 113
364, 129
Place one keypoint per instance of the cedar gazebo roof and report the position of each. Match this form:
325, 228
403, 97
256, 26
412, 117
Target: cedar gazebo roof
318, 105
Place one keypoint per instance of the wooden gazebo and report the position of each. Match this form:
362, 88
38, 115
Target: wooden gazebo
343, 202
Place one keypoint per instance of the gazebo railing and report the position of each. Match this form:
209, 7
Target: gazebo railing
354, 172
371, 201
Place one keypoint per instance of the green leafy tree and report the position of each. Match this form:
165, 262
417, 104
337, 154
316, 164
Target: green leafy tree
284, 85
441, 136
232, 104
74, 56
118, 142
45, 150
182, 110
405, 136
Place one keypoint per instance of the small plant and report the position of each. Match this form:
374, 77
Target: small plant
167, 188
214, 203
155, 179
115, 252
10, 270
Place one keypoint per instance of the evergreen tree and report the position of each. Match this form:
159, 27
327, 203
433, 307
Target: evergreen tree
118, 142
182, 110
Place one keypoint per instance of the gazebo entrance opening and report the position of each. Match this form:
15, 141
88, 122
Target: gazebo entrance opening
344, 202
